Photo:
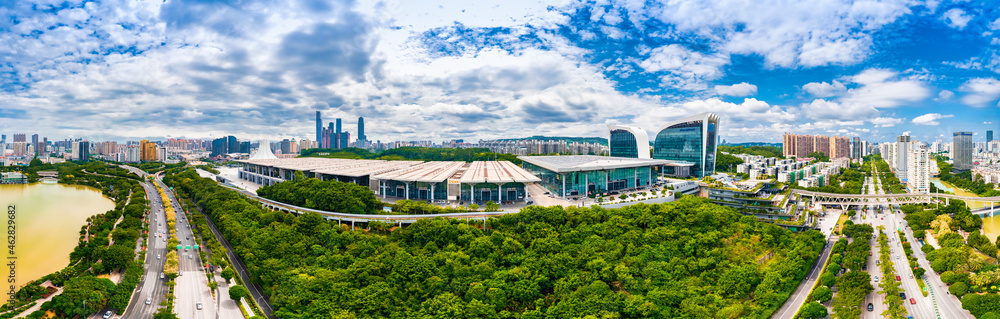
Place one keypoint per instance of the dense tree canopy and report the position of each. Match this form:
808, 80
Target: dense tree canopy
765, 151
331, 195
689, 258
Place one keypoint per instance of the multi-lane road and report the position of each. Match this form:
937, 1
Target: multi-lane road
193, 297
150, 286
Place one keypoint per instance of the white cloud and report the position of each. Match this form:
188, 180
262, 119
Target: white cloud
882, 88
956, 18
886, 121
995, 25
739, 89
945, 95
808, 33
823, 89
981, 92
930, 119
987, 122
688, 69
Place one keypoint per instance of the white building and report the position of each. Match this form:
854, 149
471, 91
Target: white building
919, 171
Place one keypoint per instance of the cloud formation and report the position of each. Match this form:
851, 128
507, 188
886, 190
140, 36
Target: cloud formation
930, 119
739, 89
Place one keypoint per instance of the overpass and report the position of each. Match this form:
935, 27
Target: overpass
342, 218
847, 200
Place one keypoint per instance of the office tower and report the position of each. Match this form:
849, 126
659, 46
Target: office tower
856, 148
20, 148
962, 151
989, 136
691, 139
286, 146
918, 170
3, 144
45, 145
337, 142
34, 144
232, 144
220, 146
900, 156
319, 127
362, 139
81, 151
20, 138
628, 141
245, 147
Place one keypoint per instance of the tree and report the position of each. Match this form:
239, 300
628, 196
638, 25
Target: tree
492, 207
236, 292
828, 279
813, 310
822, 294
118, 256
228, 274
958, 289
979, 305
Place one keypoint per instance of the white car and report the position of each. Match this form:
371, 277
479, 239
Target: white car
149, 300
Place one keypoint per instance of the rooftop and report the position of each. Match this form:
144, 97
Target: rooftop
430, 172
496, 172
577, 163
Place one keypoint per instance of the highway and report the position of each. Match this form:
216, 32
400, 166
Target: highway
192, 290
150, 285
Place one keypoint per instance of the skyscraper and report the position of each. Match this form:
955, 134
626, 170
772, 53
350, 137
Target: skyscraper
918, 180
989, 136
336, 142
856, 148
147, 151
362, 139
691, 139
19, 138
962, 150
628, 141
319, 127
901, 156
232, 144
34, 144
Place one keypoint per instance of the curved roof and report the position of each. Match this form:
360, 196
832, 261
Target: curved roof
641, 138
705, 117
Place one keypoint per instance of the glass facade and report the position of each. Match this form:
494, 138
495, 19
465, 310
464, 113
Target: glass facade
418, 190
623, 144
582, 183
485, 192
691, 141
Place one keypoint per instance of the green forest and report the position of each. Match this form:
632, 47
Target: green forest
332, 196
413, 153
686, 259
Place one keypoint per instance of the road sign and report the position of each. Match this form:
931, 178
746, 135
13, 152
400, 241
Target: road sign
178, 247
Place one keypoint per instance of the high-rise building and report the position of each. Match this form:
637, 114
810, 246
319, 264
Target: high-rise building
840, 147
337, 143
628, 141
962, 151
319, 127
147, 151
20, 137
286, 146
232, 144
691, 139
900, 156
245, 147
219, 147
34, 144
989, 136
856, 148
362, 139
20, 148
918, 171
81, 151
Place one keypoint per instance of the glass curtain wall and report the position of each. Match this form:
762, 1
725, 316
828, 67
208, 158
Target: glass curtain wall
686, 142
622, 144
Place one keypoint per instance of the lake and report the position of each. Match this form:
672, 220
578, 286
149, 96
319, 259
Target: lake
48, 221
991, 225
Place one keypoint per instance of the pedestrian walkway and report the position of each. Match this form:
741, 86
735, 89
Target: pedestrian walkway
38, 304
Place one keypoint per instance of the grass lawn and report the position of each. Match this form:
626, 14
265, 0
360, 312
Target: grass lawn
923, 288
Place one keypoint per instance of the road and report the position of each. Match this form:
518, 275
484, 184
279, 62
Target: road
795, 301
192, 285
150, 285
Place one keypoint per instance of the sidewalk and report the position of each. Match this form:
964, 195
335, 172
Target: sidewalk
38, 304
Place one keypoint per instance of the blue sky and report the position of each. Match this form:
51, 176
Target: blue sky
423, 70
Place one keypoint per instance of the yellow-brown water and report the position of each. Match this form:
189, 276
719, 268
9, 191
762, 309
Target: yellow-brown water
991, 225
48, 220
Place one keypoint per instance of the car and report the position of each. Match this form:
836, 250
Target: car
898, 279
911, 276
913, 301
157, 256
869, 253
161, 275
902, 295
199, 306
871, 307
190, 256
876, 278
149, 300
107, 314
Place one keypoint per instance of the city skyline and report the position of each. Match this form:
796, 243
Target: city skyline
485, 70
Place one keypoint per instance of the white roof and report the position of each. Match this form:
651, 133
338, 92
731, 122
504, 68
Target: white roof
430, 172
264, 151
496, 172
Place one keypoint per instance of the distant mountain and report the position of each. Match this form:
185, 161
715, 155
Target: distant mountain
599, 140
748, 144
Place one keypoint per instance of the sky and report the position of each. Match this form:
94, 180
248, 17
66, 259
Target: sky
441, 70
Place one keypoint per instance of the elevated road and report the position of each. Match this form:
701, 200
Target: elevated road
847, 200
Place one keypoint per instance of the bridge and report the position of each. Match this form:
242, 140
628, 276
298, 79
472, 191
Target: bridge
343, 218
848, 200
